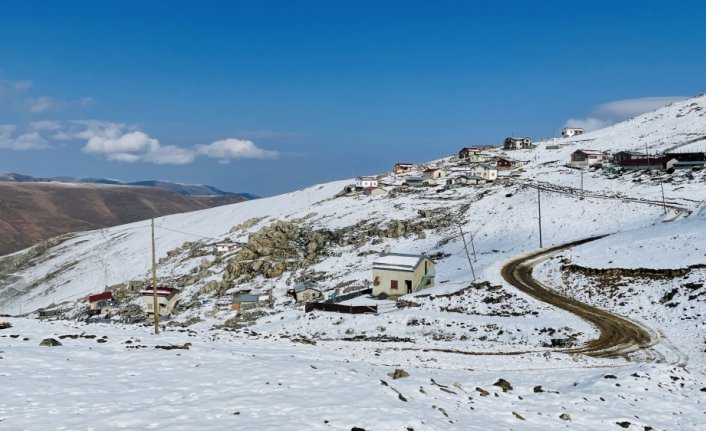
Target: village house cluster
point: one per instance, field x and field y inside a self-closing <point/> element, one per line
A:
<point x="394" y="274"/>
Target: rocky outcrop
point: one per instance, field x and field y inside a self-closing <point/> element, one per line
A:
<point x="288" y="246"/>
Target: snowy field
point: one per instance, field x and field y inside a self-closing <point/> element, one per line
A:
<point x="288" y="369"/>
<point x="226" y="381"/>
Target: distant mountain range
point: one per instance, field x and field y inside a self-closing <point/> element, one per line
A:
<point x="34" y="209"/>
<point x="182" y="189"/>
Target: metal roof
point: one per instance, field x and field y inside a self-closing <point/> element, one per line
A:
<point x="304" y="285"/>
<point x="398" y="261"/>
<point x="246" y="298"/>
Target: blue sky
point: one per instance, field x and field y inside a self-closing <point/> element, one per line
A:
<point x="271" y="96"/>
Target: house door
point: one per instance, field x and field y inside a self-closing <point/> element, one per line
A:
<point x="408" y="285"/>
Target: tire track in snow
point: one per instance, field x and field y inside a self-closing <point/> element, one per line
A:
<point x="618" y="336"/>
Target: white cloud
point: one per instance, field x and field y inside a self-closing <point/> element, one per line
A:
<point x="127" y="147"/>
<point x="42" y="104"/>
<point x="11" y="89"/>
<point x="22" y="85"/>
<point x="170" y="155"/>
<point x="228" y="149"/>
<point x="610" y="113"/>
<point x="122" y="143"/>
<point x="44" y="125"/>
<point x="26" y="141"/>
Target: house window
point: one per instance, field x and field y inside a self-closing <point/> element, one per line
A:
<point x="393" y="284"/>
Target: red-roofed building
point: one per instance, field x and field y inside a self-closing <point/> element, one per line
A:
<point x="100" y="302"/>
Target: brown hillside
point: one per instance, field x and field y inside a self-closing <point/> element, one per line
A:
<point x="32" y="212"/>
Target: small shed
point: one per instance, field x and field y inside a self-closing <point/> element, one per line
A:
<point x="419" y="181"/>
<point x="246" y="302"/>
<point x="306" y="291"/>
<point x="470" y="180"/>
<point x="397" y="274"/>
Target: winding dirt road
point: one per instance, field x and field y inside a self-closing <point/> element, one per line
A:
<point x="618" y="336"/>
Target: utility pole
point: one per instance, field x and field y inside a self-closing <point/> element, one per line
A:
<point x="473" y="247"/>
<point x="581" y="198"/>
<point x="465" y="247"/>
<point x="155" y="303"/>
<point x="664" y="202"/>
<point x="539" y="211"/>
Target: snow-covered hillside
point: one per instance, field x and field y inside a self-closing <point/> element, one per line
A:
<point x="323" y="370"/>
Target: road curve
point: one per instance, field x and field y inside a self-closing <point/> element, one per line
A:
<point x="618" y="336"/>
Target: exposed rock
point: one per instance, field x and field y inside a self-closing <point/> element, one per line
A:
<point x="483" y="392"/>
<point x="398" y="374"/>
<point x="623" y="424"/>
<point x="538" y="389"/>
<point x="503" y="384"/>
<point x="184" y="346"/>
<point x="50" y="342"/>
<point x="518" y="416"/>
<point x="5" y="325"/>
<point x="565" y="416"/>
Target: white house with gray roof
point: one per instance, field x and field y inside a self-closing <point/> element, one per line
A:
<point x="397" y="274"/>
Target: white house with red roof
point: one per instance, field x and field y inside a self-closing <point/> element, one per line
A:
<point x="433" y="173"/>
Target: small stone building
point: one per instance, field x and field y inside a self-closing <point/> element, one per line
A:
<point x="307" y="291"/>
<point x="397" y="274"/>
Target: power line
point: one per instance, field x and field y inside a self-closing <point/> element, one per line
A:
<point x="187" y="233"/>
